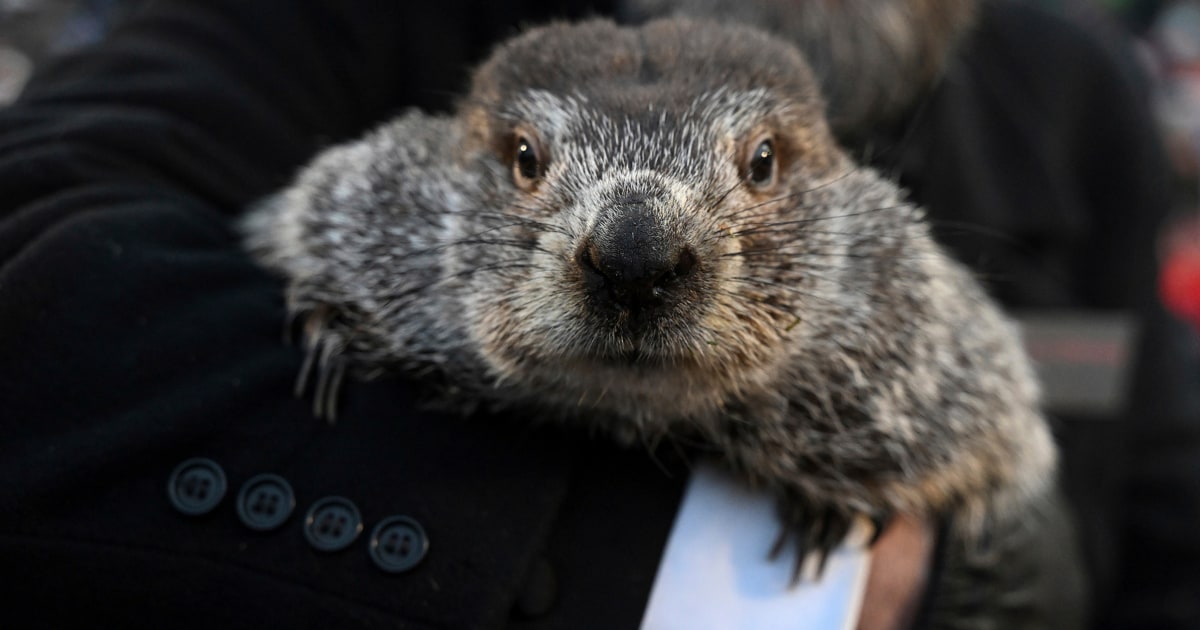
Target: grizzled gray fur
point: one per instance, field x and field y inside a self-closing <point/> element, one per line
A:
<point x="651" y="231"/>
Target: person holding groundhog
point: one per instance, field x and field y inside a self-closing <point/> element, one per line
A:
<point x="160" y="468"/>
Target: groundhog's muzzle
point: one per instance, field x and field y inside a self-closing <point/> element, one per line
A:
<point x="631" y="262"/>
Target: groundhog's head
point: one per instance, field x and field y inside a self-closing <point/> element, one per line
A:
<point x="659" y="179"/>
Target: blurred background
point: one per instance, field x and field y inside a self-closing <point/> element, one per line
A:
<point x="34" y="31"/>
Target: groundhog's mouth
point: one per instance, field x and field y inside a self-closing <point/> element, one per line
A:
<point x="633" y="358"/>
<point x="644" y="352"/>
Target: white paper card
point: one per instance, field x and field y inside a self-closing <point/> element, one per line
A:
<point x="716" y="572"/>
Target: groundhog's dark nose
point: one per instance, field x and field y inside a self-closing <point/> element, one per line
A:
<point x="632" y="261"/>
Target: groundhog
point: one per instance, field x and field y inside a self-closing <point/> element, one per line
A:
<point x="650" y="232"/>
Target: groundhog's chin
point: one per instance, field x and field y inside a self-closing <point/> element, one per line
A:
<point x="652" y="382"/>
<point x="639" y="390"/>
<point x="643" y="356"/>
<point x="672" y="363"/>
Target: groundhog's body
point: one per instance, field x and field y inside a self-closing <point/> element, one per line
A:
<point x="651" y="231"/>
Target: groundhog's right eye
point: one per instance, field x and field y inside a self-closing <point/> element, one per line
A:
<point x="760" y="170"/>
<point x="527" y="162"/>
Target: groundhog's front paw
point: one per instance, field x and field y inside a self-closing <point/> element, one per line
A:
<point x="816" y="529"/>
<point x="323" y="354"/>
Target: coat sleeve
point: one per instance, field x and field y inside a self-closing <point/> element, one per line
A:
<point x="136" y="334"/>
<point x="222" y="100"/>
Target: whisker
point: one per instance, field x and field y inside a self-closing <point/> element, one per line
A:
<point x="790" y="289"/>
<point x="517" y="243"/>
<point x="797" y="193"/>
<point x="716" y="202"/>
<point x="767" y="227"/>
<point x="503" y="265"/>
<point x="802" y="255"/>
<point x="758" y="301"/>
<point x="852" y="288"/>
<point x="467" y="239"/>
<point x="522" y="220"/>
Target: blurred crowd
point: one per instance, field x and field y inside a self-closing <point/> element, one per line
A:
<point x="1171" y="43"/>
<point x="32" y="31"/>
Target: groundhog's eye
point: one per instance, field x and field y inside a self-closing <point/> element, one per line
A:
<point x="527" y="162"/>
<point x="760" y="171"/>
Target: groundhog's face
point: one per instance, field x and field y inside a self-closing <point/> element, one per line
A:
<point x="654" y="186"/>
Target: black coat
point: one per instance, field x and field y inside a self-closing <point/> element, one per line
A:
<point x="137" y="334"/>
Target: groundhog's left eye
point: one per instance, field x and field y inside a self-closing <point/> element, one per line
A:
<point x="528" y="161"/>
<point x="760" y="169"/>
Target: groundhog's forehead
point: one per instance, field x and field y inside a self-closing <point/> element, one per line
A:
<point x="677" y="59"/>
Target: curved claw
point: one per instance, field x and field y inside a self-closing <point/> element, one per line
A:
<point x="306" y="368"/>
<point x="322" y="355"/>
<point x="331" y="370"/>
<point x="879" y="523"/>
<point x="816" y="531"/>
<point x="289" y="326"/>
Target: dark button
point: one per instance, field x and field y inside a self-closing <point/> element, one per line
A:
<point x="332" y="524"/>
<point x="540" y="591"/>
<point x="398" y="543"/>
<point x="196" y="486"/>
<point x="265" y="502"/>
